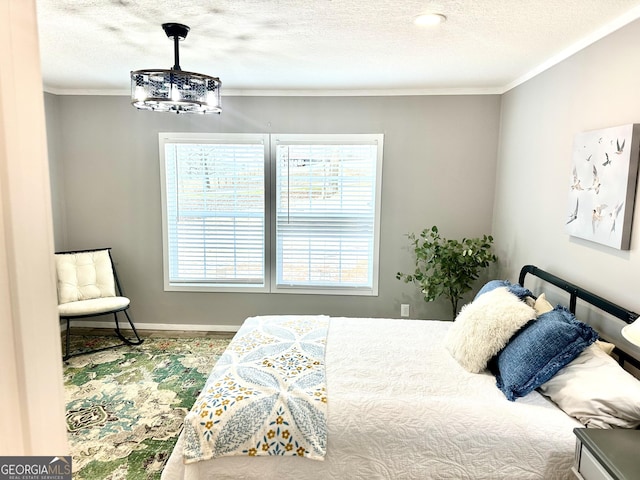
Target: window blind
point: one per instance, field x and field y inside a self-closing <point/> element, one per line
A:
<point x="326" y="218"/>
<point x="215" y="212"/>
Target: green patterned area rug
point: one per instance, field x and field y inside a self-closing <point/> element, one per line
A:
<point x="125" y="406"/>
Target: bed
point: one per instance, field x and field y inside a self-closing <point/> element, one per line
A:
<point x="400" y="405"/>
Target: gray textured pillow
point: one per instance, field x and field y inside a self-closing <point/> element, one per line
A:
<point x="484" y="327"/>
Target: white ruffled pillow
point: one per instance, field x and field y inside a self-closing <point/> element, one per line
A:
<point x="484" y="327"/>
<point x="594" y="389"/>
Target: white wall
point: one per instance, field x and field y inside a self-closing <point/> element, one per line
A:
<point x="596" y="88"/>
<point x="439" y="168"/>
<point x="31" y="392"/>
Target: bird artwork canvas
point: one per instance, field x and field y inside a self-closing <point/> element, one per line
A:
<point x="602" y="185"/>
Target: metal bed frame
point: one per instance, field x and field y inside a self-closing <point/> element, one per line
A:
<point x="576" y="292"/>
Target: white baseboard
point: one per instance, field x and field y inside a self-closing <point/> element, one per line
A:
<point x="152" y="326"/>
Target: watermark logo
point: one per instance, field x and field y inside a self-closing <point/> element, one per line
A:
<point x="35" y="468"/>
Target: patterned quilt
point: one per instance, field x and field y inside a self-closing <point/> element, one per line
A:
<point x="266" y="395"/>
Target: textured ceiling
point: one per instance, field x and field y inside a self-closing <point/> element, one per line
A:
<point x="262" y="46"/>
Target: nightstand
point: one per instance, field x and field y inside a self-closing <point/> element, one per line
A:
<point x="607" y="454"/>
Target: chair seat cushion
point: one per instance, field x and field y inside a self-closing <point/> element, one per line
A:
<point x="94" y="306"/>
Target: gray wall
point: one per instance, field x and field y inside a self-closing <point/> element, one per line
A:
<point x="439" y="168"/>
<point x="56" y="173"/>
<point x="596" y="88"/>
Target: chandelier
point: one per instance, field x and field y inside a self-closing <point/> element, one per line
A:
<point x="175" y="90"/>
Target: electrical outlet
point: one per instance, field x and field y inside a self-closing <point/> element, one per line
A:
<point x="404" y="310"/>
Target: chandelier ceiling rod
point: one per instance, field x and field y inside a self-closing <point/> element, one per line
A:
<point x="178" y="32"/>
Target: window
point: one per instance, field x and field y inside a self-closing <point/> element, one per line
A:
<point x="213" y="210"/>
<point x="279" y="213"/>
<point x="326" y="212"/>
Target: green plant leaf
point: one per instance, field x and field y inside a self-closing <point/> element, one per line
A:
<point x="447" y="267"/>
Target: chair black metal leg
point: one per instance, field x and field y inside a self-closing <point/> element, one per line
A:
<point x="133" y="327"/>
<point x="138" y="340"/>
<point x="125" y="340"/>
<point x="68" y="333"/>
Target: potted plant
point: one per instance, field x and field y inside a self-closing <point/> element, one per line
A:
<point x="447" y="267"/>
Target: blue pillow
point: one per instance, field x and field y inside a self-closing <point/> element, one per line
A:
<point x="515" y="288"/>
<point x="540" y="350"/>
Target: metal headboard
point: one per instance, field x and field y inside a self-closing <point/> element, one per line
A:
<point x="576" y="292"/>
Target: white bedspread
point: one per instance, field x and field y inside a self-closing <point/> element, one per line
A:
<point x="400" y="407"/>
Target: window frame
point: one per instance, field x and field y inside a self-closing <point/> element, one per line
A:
<point x="329" y="139"/>
<point x="213" y="138"/>
<point x="270" y="143"/>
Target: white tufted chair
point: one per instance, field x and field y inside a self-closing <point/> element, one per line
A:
<point x="88" y="286"/>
